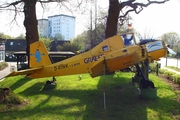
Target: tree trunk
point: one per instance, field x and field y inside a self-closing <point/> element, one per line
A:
<point x="112" y="19"/>
<point x="30" y="23"/>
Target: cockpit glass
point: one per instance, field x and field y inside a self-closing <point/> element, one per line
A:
<point x="127" y="39"/>
<point x="137" y="39"/>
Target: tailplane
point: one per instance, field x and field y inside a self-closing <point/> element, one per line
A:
<point x="39" y="56"/>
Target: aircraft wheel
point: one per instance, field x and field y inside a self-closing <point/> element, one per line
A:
<point x="48" y="82"/>
<point x="151" y="84"/>
<point x="146" y="84"/>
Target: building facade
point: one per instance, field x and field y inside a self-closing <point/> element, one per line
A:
<point x="2" y="49"/>
<point x="63" y="25"/>
<point x="43" y="25"/>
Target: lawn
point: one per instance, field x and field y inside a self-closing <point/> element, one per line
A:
<point x="75" y="99"/>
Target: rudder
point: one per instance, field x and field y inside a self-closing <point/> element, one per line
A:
<point x="39" y="56"/>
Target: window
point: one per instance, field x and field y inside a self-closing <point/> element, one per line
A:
<point x="1" y="55"/>
<point x="105" y="48"/>
<point x="11" y="43"/>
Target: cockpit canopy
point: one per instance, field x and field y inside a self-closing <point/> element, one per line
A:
<point x="130" y="39"/>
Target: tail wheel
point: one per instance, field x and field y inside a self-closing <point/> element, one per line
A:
<point x="48" y="82"/>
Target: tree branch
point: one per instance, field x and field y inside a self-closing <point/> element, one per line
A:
<point x="48" y="1"/>
<point x="134" y="7"/>
<point x="11" y="4"/>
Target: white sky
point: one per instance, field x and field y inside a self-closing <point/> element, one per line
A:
<point x="157" y="18"/>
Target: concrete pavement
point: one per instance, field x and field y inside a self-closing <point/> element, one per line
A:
<point x="170" y="62"/>
<point x="7" y="70"/>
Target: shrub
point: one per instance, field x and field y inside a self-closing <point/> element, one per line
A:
<point x="176" y="78"/>
<point x="3" y="65"/>
<point x="170" y="75"/>
<point x="153" y="66"/>
<point x="162" y="71"/>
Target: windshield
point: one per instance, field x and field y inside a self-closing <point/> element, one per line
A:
<point x="128" y="39"/>
<point x="137" y="39"/>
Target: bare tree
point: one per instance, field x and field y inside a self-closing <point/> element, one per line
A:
<point x="30" y="20"/>
<point x="146" y="34"/>
<point x="119" y="10"/>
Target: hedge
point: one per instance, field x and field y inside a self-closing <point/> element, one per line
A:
<point x="165" y="73"/>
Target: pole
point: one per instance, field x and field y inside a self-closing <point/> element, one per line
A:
<point x="177" y="62"/>
<point x="166" y="57"/>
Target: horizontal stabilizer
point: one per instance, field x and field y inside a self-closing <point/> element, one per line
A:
<point x="23" y="72"/>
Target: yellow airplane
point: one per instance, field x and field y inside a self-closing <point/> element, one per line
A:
<point x="115" y="53"/>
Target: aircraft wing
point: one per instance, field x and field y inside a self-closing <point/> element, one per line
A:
<point x="98" y="68"/>
<point x="23" y="72"/>
<point x="117" y="60"/>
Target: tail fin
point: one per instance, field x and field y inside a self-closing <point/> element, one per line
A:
<point x="39" y="56"/>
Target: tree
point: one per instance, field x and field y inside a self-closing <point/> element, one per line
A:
<point x="3" y="36"/>
<point x="30" y="20"/>
<point x="59" y="36"/>
<point x="119" y="10"/>
<point x="46" y="41"/>
<point x="146" y="34"/>
<point x="172" y="39"/>
<point x="90" y="38"/>
<point x="81" y="40"/>
<point x="73" y="47"/>
<point x="96" y="35"/>
<point x="21" y="36"/>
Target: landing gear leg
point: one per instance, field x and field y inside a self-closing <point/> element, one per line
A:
<point x="142" y="76"/>
<point x="146" y="87"/>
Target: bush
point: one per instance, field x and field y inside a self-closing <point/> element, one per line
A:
<point x="153" y="67"/>
<point x="3" y="65"/>
<point x="170" y="75"/>
<point x="162" y="71"/>
<point x="176" y="78"/>
<point x="167" y="74"/>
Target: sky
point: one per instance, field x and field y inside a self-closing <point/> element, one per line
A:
<point x="156" y="18"/>
<point x="159" y="18"/>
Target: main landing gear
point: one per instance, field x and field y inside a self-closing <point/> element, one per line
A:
<point x="50" y="84"/>
<point x="146" y="87"/>
<point x="142" y="78"/>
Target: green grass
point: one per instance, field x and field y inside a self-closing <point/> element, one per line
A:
<point x="75" y="99"/>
